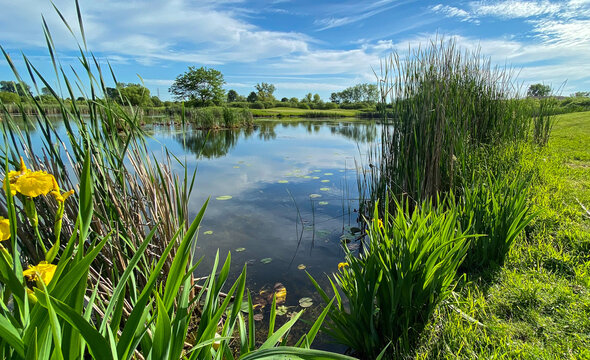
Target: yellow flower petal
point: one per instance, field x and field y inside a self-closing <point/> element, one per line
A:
<point x="4" y="229"/>
<point x="12" y="177"/>
<point x="342" y="264"/>
<point x="34" y="183"/>
<point x="43" y="269"/>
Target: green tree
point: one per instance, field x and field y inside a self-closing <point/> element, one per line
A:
<point x="294" y="100"/>
<point x="265" y="91"/>
<point x="581" y="94"/>
<point x="202" y="85"/>
<point x="134" y="94"/>
<point x="14" y="87"/>
<point x="252" y="97"/>
<point x="307" y="98"/>
<point x="538" y="90"/>
<point x="232" y="96"/>
<point x="9" y="97"/>
<point x="156" y="101"/>
<point x="359" y="93"/>
<point x="284" y="99"/>
<point x="317" y="99"/>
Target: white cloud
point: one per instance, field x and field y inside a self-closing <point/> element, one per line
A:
<point x="516" y="9"/>
<point x="451" y="11"/>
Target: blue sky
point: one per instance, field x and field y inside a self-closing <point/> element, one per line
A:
<point x="301" y="46"/>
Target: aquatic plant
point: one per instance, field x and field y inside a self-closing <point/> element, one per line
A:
<point x="406" y="268"/>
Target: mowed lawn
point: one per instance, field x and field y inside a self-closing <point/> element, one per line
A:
<point x="537" y="305"/>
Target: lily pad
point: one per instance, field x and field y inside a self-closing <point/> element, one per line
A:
<point x="301" y="266"/>
<point x="325" y="181"/>
<point x="307" y="177"/>
<point x="240" y="249"/>
<point x="251" y="262"/>
<point x="266" y="260"/>
<point x="208" y="232"/>
<point x="317" y="171"/>
<point x="353" y="246"/>
<point x="328" y="174"/>
<point x="324" y="189"/>
<point x="223" y="197"/>
<point x="315" y="177"/>
<point x="355" y="230"/>
<point x="323" y="203"/>
<point x="305" y="302"/>
<point x="244" y="307"/>
<point x="236" y="167"/>
<point x="282" y="310"/>
<point x="283" y="181"/>
<point x="347" y="238"/>
<point x="313" y="196"/>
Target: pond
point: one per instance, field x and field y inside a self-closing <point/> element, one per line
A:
<point x="283" y="198"/>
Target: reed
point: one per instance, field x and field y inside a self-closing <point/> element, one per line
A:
<point x="441" y="103"/>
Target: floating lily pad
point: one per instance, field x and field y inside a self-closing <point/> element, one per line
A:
<point x="313" y="196"/>
<point x="258" y="317"/>
<point x="341" y="170"/>
<point x="266" y="260"/>
<point x="355" y="230"/>
<point x="208" y="232"/>
<point x="315" y="177"/>
<point x="307" y="177"/>
<point x="305" y="302"/>
<point x="328" y="174"/>
<point x="353" y="246"/>
<point x="223" y="197"/>
<point x="282" y="310"/>
<point x="240" y="249"/>
<point x="325" y="181"/>
<point x="317" y="171"/>
<point x="324" y="189"/>
<point x="236" y="167"/>
<point x="347" y="238"/>
<point x="283" y="181"/>
<point x="301" y="266"/>
<point x="322" y="233"/>
<point x="250" y="261"/>
<point x="323" y="203"/>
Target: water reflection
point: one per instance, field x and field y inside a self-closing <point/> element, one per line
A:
<point x="217" y="143"/>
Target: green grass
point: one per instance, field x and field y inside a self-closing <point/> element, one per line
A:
<point x="537" y="306"/>
<point x="294" y="112"/>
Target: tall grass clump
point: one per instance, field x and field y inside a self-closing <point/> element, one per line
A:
<point x="441" y="104"/>
<point x="498" y="209"/>
<point x="406" y="268"/>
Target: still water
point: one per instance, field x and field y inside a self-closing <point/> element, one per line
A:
<point x="293" y="189"/>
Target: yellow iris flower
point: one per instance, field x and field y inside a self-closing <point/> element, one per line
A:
<point x="342" y="264"/>
<point x="30" y="183"/>
<point x="4" y="229"/>
<point x="43" y="270"/>
<point x="61" y="197"/>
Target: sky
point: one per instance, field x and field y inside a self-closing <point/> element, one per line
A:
<point x="299" y="46"/>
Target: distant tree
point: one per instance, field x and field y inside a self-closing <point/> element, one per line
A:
<point x="307" y="98"/>
<point x="45" y="91"/>
<point x="9" y="97"/>
<point x="581" y="94"/>
<point x="538" y="90"/>
<point x="284" y="99"/>
<point x="232" y="96"/>
<point x="202" y="85"/>
<point x="335" y="98"/>
<point x="134" y="94"/>
<point x="317" y="99"/>
<point x="252" y="97"/>
<point x="265" y="91"/>
<point x="14" y="87"/>
<point x="358" y="93"/>
<point x="156" y="101"/>
<point x="294" y="100"/>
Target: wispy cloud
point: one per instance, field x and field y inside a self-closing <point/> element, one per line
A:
<point x="451" y="11"/>
<point x="361" y="10"/>
<point x="512" y="9"/>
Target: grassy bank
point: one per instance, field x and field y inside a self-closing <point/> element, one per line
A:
<point x="537" y="306"/>
<point x="303" y="113"/>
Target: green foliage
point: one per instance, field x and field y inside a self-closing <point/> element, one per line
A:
<point x="232" y="96"/>
<point x="406" y="269"/>
<point x="16" y="87"/>
<point x="264" y="92"/>
<point x="202" y="86"/>
<point x="538" y="90"/>
<point x="368" y="93"/>
<point x="497" y="209"/>
<point x="9" y="97"/>
<point x="130" y="94"/>
<point x="252" y="97"/>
